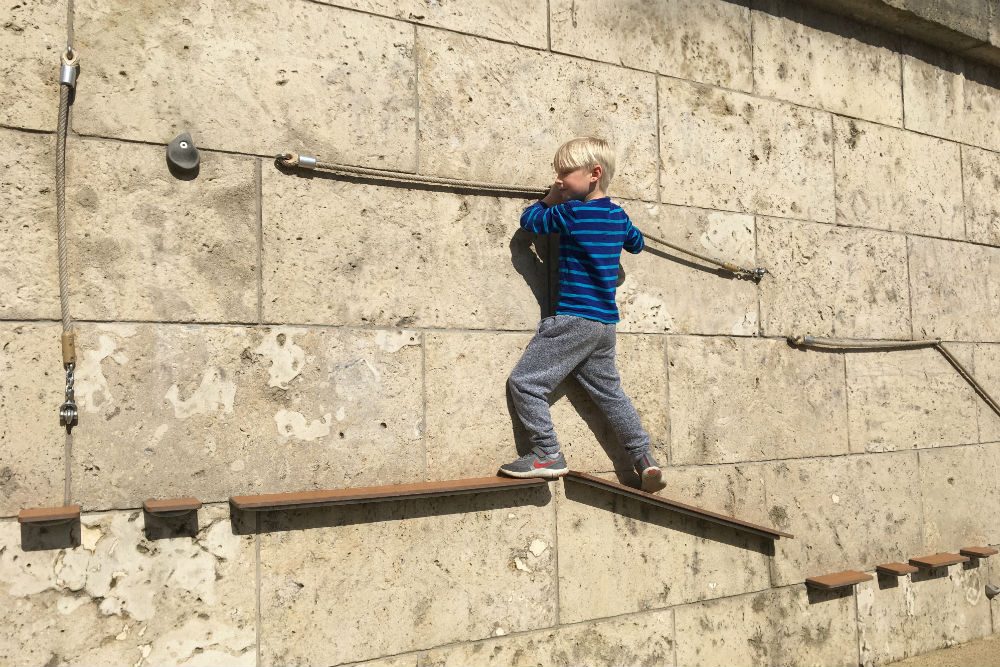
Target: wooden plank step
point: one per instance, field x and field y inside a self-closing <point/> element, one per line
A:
<point x="938" y="560"/>
<point x="978" y="552"/>
<point x="368" y="494"/>
<point x="673" y="505"/>
<point x="171" y="506"/>
<point x="49" y="515"/>
<point x="829" y="582"/>
<point x="897" y="569"/>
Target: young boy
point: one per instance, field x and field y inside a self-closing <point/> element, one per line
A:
<point x="580" y="338"/>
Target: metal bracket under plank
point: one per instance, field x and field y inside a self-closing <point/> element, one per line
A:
<point x="369" y="494"/>
<point x="675" y="506"/>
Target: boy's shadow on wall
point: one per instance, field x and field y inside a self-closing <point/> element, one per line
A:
<point x="536" y="258"/>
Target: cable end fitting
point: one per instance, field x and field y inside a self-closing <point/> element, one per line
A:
<point x="296" y="160"/>
<point x="69" y="68"/>
<point x="796" y="340"/>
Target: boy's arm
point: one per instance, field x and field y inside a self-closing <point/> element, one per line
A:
<point x="548" y="216"/>
<point x="634" y="240"/>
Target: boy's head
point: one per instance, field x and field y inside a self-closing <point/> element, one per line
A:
<point x="584" y="164"/>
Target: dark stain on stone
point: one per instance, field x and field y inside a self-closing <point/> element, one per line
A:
<point x="855" y="134"/>
<point x="779" y="516"/>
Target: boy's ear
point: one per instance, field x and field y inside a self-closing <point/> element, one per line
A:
<point x="596" y="173"/>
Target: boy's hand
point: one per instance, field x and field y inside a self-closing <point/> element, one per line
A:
<point x="554" y="197"/>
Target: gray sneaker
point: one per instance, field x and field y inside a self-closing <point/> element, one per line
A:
<point x="535" y="464"/>
<point x="650" y="475"/>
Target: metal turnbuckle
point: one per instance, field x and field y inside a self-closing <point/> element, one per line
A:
<point x="68" y="414"/>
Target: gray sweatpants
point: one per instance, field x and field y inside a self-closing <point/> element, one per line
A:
<point x="567" y="345"/>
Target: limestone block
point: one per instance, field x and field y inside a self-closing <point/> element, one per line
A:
<point x="31" y="441"/>
<point x="898" y="180"/>
<point x="737" y="400"/>
<point x="908" y="399"/>
<point x="497" y="113"/>
<point x="773" y="627"/>
<point x="954" y="290"/>
<point x="960" y="499"/>
<point x="618" y="555"/>
<point x="343" y="87"/>
<point x="219" y="411"/>
<point x="32" y="40"/>
<point x="122" y="599"/>
<point x="474" y="567"/>
<point x="642" y="365"/>
<point x="832" y="281"/>
<point x="733" y="490"/>
<point x="519" y="21"/>
<point x="641" y="639"/>
<point x="986" y="369"/>
<point x="911" y="615"/>
<point x="341" y="253"/>
<point x="29" y="269"/>
<point x="982" y="194"/>
<point x="827" y="62"/>
<point x="472" y="427"/>
<point x="667" y="291"/>
<point x="148" y="246"/>
<point x="699" y="40"/>
<point x="850" y="512"/>
<point x="725" y="150"/>
<point x="949" y="98"/>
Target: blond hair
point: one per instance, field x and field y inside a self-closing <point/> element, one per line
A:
<point x="586" y="152"/>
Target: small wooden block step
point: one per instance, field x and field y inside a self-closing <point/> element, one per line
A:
<point x="829" y="582"/>
<point x="49" y="515"/>
<point x="978" y="552"/>
<point x="938" y="560"/>
<point x="667" y="503"/>
<point x="896" y="569"/>
<point x="454" y="487"/>
<point x="171" y="506"/>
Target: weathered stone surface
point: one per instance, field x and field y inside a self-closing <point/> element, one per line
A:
<point x="954" y="291"/>
<point x="218" y="411"/>
<point x="29" y="274"/>
<point x="775" y="627"/>
<point x="474" y="567"/>
<point x="898" y="180"/>
<point x="733" y="490"/>
<point x="700" y="40"/>
<point x="341" y="253"/>
<point x="342" y="86"/>
<point x="850" y="512"/>
<point x="619" y="555"/>
<point x="642" y="365"/>
<point x="909" y="399"/>
<point x="915" y="614"/>
<point x="471" y="425"/>
<point x="31" y="441"/>
<point x="960" y="499"/>
<point x="496" y="113"/>
<point x="149" y="246"/>
<point x="518" y="21"/>
<point x="122" y="599"/>
<point x="986" y="369"/>
<point x="643" y="639"/>
<point x="666" y="291"/>
<point x="832" y="281"/>
<point x="827" y="62"/>
<point x="982" y="194"/>
<point x="744" y="400"/>
<point x="32" y="39"/>
<point x="948" y="98"/>
<point x="725" y="150"/>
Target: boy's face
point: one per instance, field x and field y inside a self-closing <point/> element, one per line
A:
<point x="578" y="183"/>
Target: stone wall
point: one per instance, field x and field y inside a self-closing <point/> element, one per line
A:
<point x="252" y="330"/>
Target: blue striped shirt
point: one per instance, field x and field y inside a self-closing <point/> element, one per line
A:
<point x="591" y="237"/>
